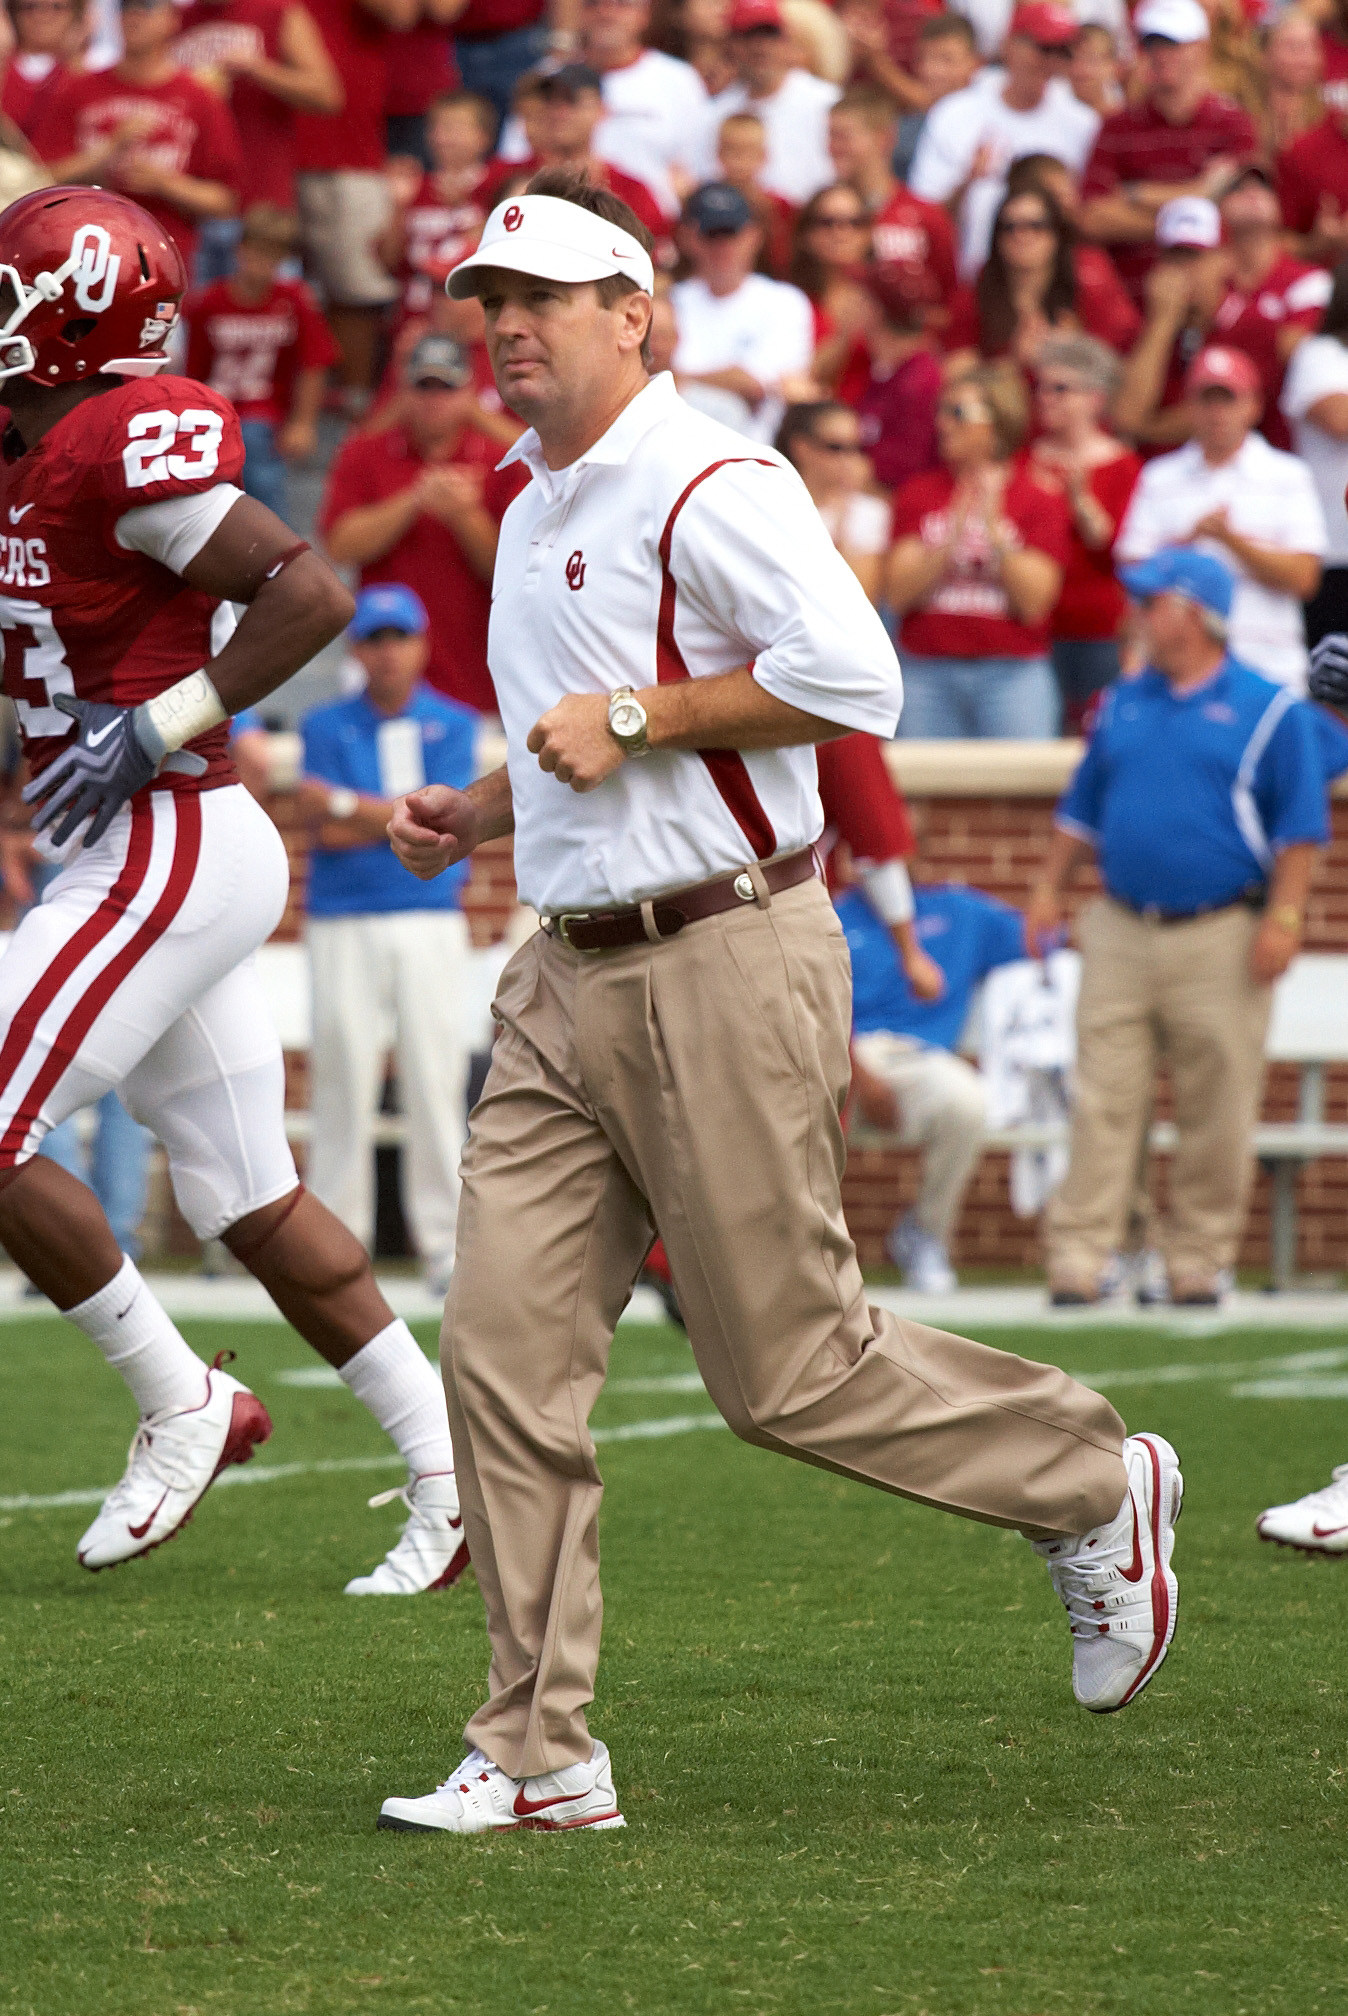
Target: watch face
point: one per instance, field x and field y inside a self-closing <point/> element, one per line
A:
<point x="628" y="719"/>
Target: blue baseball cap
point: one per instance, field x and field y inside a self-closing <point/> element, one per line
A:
<point x="390" y="606"/>
<point x="1183" y="570"/>
<point x="718" y="210"/>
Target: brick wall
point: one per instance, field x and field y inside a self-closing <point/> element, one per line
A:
<point x="971" y="831"/>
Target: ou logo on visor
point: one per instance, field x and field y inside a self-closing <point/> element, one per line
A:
<point x="513" y="218"/>
<point x="94" y="264"/>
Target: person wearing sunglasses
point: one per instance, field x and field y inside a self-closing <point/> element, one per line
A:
<point x="1031" y="288"/>
<point x="822" y="439"/>
<point x="830" y="248"/>
<point x="981" y="547"/>
<point x="1076" y="379"/>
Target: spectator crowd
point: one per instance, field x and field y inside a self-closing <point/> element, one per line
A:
<point x="1036" y="297"/>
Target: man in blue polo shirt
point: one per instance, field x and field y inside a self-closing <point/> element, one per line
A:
<point x="1202" y="797"/>
<point x="385" y="947"/>
<point x="905" y="1073"/>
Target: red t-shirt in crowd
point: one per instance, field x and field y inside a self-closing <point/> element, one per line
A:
<point x="862" y="805"/>
<point x="1314" y="166"/>
<point x="1292" y="295"/>
<point x="372" y="467"/>
<point x="967" y="614"/>
<point x="1138" y="145"/>
<point x="212" y="31"/>
<point x="910" y="232"/>
<point x="1334" y="90"/>
<point x="484" y="20"/>
<point x="354" y="138"/>
<point x="898" y="418"/>
<point x="1104" y="308"/>
<point x="1092" y="601"/>
<point x="438" y="233"/>
<point x="193" y="134"/>
<point x="420" y="67"/>
<point x="250" y="351"/>
<point x="25" y="99"/>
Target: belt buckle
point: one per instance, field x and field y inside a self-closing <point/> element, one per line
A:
<point x="561" y="923"/>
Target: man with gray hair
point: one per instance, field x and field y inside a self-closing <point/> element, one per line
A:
<point x="1202" y="797"/>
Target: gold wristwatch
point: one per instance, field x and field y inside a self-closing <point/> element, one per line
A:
<point x="627" y="722"/>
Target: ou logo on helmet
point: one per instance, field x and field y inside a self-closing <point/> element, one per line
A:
<point x="94" y="264"/>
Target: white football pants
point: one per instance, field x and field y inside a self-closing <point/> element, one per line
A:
<point x="136" y="971"/>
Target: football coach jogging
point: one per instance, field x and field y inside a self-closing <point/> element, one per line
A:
<point x="672" y="631"/>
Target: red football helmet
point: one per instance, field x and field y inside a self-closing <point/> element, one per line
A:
<point x="88" y="282"/>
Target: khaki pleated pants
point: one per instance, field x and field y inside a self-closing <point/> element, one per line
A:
<point x="696" y="1085"/>
<point x="1183" y="992"/>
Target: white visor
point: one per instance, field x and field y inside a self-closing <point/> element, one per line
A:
<point x="554" y="240"/>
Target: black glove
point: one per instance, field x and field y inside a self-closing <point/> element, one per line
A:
<point x="92" y="779"/>
<point x="1329" y="670"/>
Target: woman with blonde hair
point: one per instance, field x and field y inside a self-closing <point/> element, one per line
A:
<point x="981" y="546"/>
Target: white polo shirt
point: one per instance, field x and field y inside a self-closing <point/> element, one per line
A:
<point x="1267" y="495"/>
<point x="672" y="549"/>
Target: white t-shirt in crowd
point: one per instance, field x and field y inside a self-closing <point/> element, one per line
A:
<point x="1319" y="366"/>
<point x="672" y="547"/>
<point x="766" y="328"/>
<point x="1267" y="495"/>
<point x="859" y="522"/>
<point x="656" y="116"/>
<point x="795" y="127"/>
<point x="958" y="126"/>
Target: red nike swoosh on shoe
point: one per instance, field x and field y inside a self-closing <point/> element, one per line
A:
<point x="1327" y="1532"/>
<point x="139" y="1532"/>
<point x="1133" y="1572"/>
<point x="523" y="1807"/>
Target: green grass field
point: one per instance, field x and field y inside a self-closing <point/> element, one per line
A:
<point x="842" y="1730"/>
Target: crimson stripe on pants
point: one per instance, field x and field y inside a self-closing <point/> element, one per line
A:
<point x="727" y="767"/>
<point x="95" y="998"/>
<point x="113" y="907"/>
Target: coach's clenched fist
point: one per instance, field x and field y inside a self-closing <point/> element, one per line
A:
<point x="432" y="829"/>
<point x="573" y="741"/>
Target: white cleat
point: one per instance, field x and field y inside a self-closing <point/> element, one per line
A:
<point x="1117" y="1584"/>
<point x="432" y="1552"/>
<point x="174" y="1460"/>
<point x="1317" y="1523"/>
<point x="481" y="1799"/>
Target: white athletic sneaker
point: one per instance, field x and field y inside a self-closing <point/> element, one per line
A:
<point x="432" y="1552"/>
<point x="1317" y="1523"/>
<point x="924" y="1260"/>
<point x="1117" y="1584"/>
<point x="479" y="1798"/>
<point x="174" y="1460"/>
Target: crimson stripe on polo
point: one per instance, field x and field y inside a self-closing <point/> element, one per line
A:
<point x="727" y="767"/>
<point x="77" y="948"/>
<point x="186" y="851"/>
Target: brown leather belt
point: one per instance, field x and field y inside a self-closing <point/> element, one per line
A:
<point x="607" y="930"/>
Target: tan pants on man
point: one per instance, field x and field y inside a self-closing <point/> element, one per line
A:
<point x="1185" y="993"/>
<point x="696" y="1084"/>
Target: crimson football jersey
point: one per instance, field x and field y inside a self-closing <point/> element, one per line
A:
<point x="78" y="613"/>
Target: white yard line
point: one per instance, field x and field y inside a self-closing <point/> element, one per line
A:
<point x="1292" y="1375"/>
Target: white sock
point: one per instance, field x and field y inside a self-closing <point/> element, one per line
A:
<point x="392" y="1376"/>
<point x="138" y="1340"/>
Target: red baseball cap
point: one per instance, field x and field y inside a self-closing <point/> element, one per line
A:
<point x="1231" y="370"/>
<point x="1045" y="22"/>
<point x="746" y="15"/>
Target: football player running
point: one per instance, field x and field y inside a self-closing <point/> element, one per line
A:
<point x="123" y="541"/>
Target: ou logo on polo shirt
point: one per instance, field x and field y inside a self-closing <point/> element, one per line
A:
<point x="575" y="571"/>
<point x="513" y="218"/>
